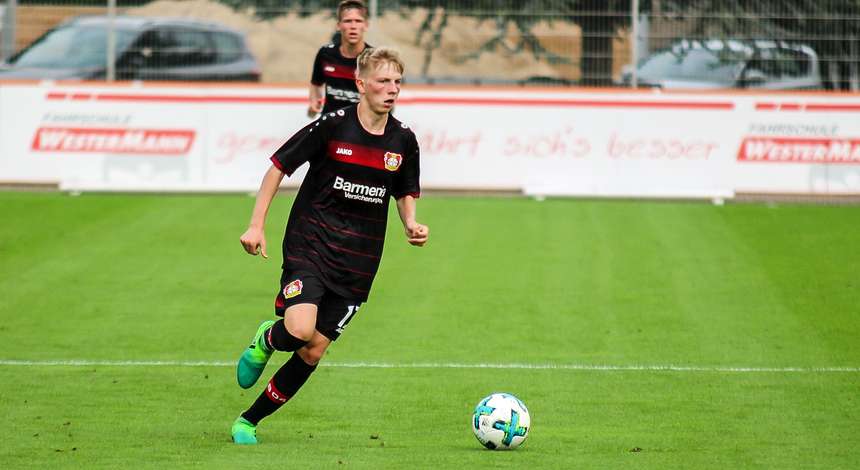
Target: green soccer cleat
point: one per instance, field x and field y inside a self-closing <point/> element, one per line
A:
<point x="254" y="359"/>
<point x="243" y="431"/>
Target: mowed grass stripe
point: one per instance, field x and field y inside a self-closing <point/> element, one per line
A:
<point x="385" y="365"/>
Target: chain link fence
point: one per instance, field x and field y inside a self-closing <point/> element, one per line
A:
<point x="769" y="44"/>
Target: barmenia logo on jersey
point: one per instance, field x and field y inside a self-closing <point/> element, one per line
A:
<point x="392" y="161"/>
<point x="360" y="192"/>
<point x="293" y="289"/>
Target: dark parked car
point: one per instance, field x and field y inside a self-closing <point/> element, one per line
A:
<point x="146" y="49"/>
<point x="729" y="63"/>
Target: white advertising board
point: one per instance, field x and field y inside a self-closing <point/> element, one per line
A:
<point x="631" y="144"/>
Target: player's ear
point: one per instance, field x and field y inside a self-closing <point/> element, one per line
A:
<point x="359" y="83"/>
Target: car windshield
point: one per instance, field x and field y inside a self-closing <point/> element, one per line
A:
<point x="695" y="64"/>
<point x="73" y="47"/>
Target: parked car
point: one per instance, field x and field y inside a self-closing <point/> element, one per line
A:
<point x="146" y="49"/>
<point x="728" y="63"/>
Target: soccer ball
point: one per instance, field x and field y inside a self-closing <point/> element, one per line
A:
<point x="501" y="421"/>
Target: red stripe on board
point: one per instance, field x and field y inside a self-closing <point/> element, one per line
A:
<point x="356" y="154"/>
<point x="851" y="108"/>
<point x="161" y="98"/>
<point x="134" y="98"/>
<point x="721" y="105"/>
<point x="813" y="107"/>
<point x="766" y="107"/>
<point x="201" y="99"/>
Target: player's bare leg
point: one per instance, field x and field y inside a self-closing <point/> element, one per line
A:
<point x="313" y="352"/>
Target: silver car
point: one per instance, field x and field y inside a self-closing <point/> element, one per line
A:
<point x="728" y="63"/>
<point x="146" y="49"/>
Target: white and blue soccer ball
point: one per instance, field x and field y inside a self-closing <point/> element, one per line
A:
<point x="501" y="421"/>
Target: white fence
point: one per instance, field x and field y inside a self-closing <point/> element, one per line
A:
<point x="579" y="142"/>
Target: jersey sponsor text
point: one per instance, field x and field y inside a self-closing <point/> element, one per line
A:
<point x="361" y="192"/>
<point x="343" y="95"/>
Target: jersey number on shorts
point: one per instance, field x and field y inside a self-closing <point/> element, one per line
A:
<point x="351" y="310"/>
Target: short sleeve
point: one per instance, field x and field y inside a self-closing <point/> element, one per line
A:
<point x="305" y="145"/>
<point x="406" y="183"/>
<point x="317" y="74"/>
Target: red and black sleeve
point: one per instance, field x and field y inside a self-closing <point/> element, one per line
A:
<point x="406" y="183"/>
<point x="306" y="145"/>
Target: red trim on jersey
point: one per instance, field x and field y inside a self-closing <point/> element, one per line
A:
<point x="340" y="267"/>
<point x="355" y="154"/>
<point x="338" y="247"/>
<point x="279" y="166"/>
<point x="339" y="72"/>
<point x="274" y="394"/>
<point x="347" y="232"/>
<point x="351" y="215"/>
<point x="414" y="195"/>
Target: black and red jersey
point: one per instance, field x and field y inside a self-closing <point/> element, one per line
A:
<point x="337" y="73"/>
<point x="337" y="223"/>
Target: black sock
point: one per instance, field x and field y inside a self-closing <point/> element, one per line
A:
<point x="279" y="339"/>
<point x="283" y="385"/>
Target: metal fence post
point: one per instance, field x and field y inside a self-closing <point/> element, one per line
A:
<point x="374" y="10"/>
<point x="110" y="71"/>
<point x="634" y="56"/>
<point x="9" y="19"/>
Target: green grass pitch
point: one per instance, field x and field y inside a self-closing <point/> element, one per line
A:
<point x="755" y="306"/>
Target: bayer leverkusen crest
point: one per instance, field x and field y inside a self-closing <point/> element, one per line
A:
<point x="392" y="161"/>
<point x="293" y="289"/>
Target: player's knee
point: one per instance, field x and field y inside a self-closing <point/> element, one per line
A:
<point x="282" y="338"/>
<point x="312" y="354"/>
<point x="302" y="332"/>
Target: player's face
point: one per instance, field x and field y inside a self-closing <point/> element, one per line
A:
<point x="381" y="87"/>
<point x="352" y="26"/>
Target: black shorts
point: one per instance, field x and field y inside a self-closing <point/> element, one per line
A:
<point x="333" y="311"/>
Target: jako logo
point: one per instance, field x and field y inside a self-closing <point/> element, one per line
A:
<point x="343" y="151"/>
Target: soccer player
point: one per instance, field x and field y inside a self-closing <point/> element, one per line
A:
<point x="333" y="76"/>
<point x="359" y="157"/>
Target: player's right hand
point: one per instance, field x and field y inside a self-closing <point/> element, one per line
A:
<point x="254" y="241"/>
<point x="314" y="108"/>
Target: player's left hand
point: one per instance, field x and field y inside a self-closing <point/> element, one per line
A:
<point x="417" y="234"/>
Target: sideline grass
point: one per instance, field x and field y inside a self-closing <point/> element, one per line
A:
<point x="119" y="277"/>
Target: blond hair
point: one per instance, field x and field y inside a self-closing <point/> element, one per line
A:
<point x="371" y="58"/>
